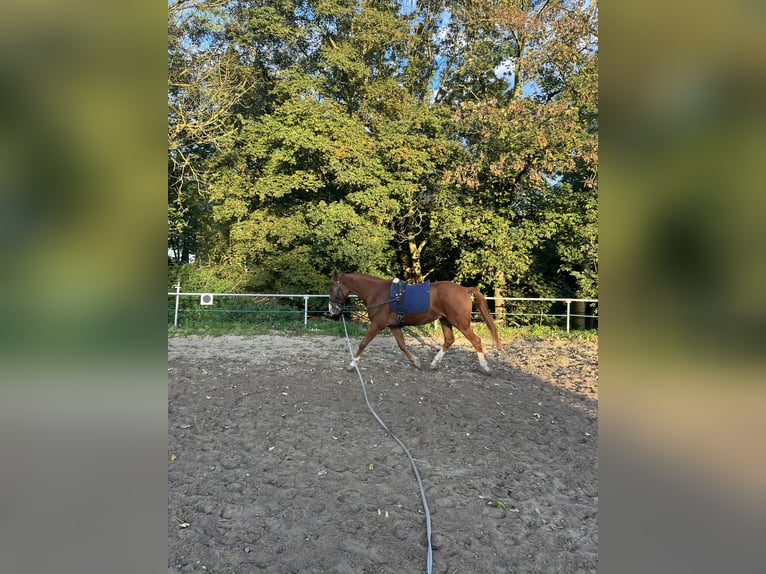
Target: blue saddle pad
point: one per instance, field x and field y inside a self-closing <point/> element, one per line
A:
<point x="407" y="298"/>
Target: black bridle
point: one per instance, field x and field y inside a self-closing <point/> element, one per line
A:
<point x="337" y="296"/>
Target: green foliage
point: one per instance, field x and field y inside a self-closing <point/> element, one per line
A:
<point x="196" y="278"/>
<point x="347" y="240"/>
<point x="443" y="140"/>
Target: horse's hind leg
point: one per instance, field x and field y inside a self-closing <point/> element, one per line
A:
<point x="449" y="338"/>
<point x="400" y="341"/>
<point x="476" y="342"/>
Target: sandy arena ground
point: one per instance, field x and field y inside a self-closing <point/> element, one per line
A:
<point x="276" y="464"/>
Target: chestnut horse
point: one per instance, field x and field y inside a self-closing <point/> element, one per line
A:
<point x="450" y="304"/>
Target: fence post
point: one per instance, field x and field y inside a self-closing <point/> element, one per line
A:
<point x="569" y="303"/>
<point x="305" y="310"/>
<point x="178" y="290"/>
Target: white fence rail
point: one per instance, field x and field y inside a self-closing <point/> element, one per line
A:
<point x="567" y="301"/>
<point x="305" y="296"/>
<point x="503" y="313"/>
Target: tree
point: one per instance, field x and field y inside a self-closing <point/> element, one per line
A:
<point x="303" y="184"/>
<point x="204" y="86"/>
<point x="523" y="140"/>
<point x="445" y="139"/>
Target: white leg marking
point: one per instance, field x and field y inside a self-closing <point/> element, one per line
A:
<point x="352" y="365"/>
<point x="483" y="363"/>
<point x="437" y="359"/>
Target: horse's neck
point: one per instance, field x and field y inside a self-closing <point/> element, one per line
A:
<point x="366" y="286"/>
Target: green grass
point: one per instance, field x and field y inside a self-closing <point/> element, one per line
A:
<point x="510" y="333"/>
<point x="292" y="324"/>
<point x="541" y="331"/>
<point x="284" y="326"/>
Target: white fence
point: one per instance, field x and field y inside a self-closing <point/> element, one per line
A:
<point x="207" y="300"/>
<point x="568" y="301"/>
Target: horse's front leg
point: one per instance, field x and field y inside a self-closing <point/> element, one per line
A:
<point x="369" y="336"/>
<point x="399" y="336"/>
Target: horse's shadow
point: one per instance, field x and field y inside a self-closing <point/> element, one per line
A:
<point x="384" y="351"/>
<point x="434" y="343"/>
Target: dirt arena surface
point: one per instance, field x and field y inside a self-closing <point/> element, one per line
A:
<point x="276" y="464"/>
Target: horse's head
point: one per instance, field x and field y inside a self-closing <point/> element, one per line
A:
<point x="338" y="294"/>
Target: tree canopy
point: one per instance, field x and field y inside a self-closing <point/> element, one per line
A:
<point x="441" y="139"/>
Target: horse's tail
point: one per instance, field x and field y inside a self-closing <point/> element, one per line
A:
<point x="486" y="316"/>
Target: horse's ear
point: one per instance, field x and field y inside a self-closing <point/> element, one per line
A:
<point x="334" y="276"/>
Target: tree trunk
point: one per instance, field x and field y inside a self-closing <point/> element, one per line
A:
<point x="578" y="308"/>
<point x="499" y="305"/>
<point x="414" y="272"/>
<point x="499" y="293"/>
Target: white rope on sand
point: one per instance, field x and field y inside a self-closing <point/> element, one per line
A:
<point x="406" y="451"/>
